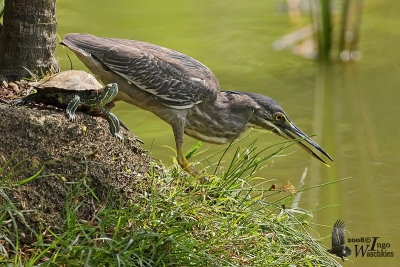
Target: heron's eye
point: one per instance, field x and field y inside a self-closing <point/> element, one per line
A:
<point x="279" y="116"/>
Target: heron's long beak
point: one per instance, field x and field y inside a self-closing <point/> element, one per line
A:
<point x="292" y="132"/>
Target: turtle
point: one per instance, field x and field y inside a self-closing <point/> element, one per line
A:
<point x="75" y="88"/>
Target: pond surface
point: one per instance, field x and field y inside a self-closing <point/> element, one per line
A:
<point x="352" y="108"/>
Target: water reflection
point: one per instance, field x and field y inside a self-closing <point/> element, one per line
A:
<point x="344" y="115"/>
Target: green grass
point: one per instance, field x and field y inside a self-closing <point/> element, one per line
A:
<point x="176" y="222"/>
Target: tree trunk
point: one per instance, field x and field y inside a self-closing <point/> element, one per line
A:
<point x="28" y="39"/>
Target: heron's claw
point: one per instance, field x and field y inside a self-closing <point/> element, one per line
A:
<point x="188" y="167"/>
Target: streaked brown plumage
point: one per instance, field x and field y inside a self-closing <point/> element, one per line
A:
<point x="181" y="91"/>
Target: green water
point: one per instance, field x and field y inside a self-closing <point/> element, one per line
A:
<point x="352" y="108"/>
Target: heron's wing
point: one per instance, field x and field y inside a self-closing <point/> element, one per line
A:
<point x="173" y="78"/>
<point x="338" y="238"/>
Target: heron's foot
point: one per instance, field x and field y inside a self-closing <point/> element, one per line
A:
<point x="188" y="167"/>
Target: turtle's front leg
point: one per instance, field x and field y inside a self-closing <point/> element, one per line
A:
<point x="72" y="106"/>
<point x="113" y="122"/>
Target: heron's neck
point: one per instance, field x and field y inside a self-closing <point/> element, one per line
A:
<point x="218" y="122"/>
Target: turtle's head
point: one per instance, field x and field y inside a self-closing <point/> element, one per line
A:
<point x="108" y="93"/>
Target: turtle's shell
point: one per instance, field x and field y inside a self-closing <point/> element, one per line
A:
<point x="70" y="80"/>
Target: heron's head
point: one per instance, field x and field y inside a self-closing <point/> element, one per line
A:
<point x="269" y="115"/>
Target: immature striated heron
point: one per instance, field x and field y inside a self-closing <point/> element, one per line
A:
<point x="183" y="92"/>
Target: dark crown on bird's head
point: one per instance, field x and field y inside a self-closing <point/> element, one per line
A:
<point x="267" y="107"/>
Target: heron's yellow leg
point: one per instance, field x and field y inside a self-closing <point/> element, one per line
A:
<point x="188" y="167"/>
<point x="183" y="162"/>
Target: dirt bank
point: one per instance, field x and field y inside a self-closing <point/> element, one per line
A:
<point x="83" y="151"/>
